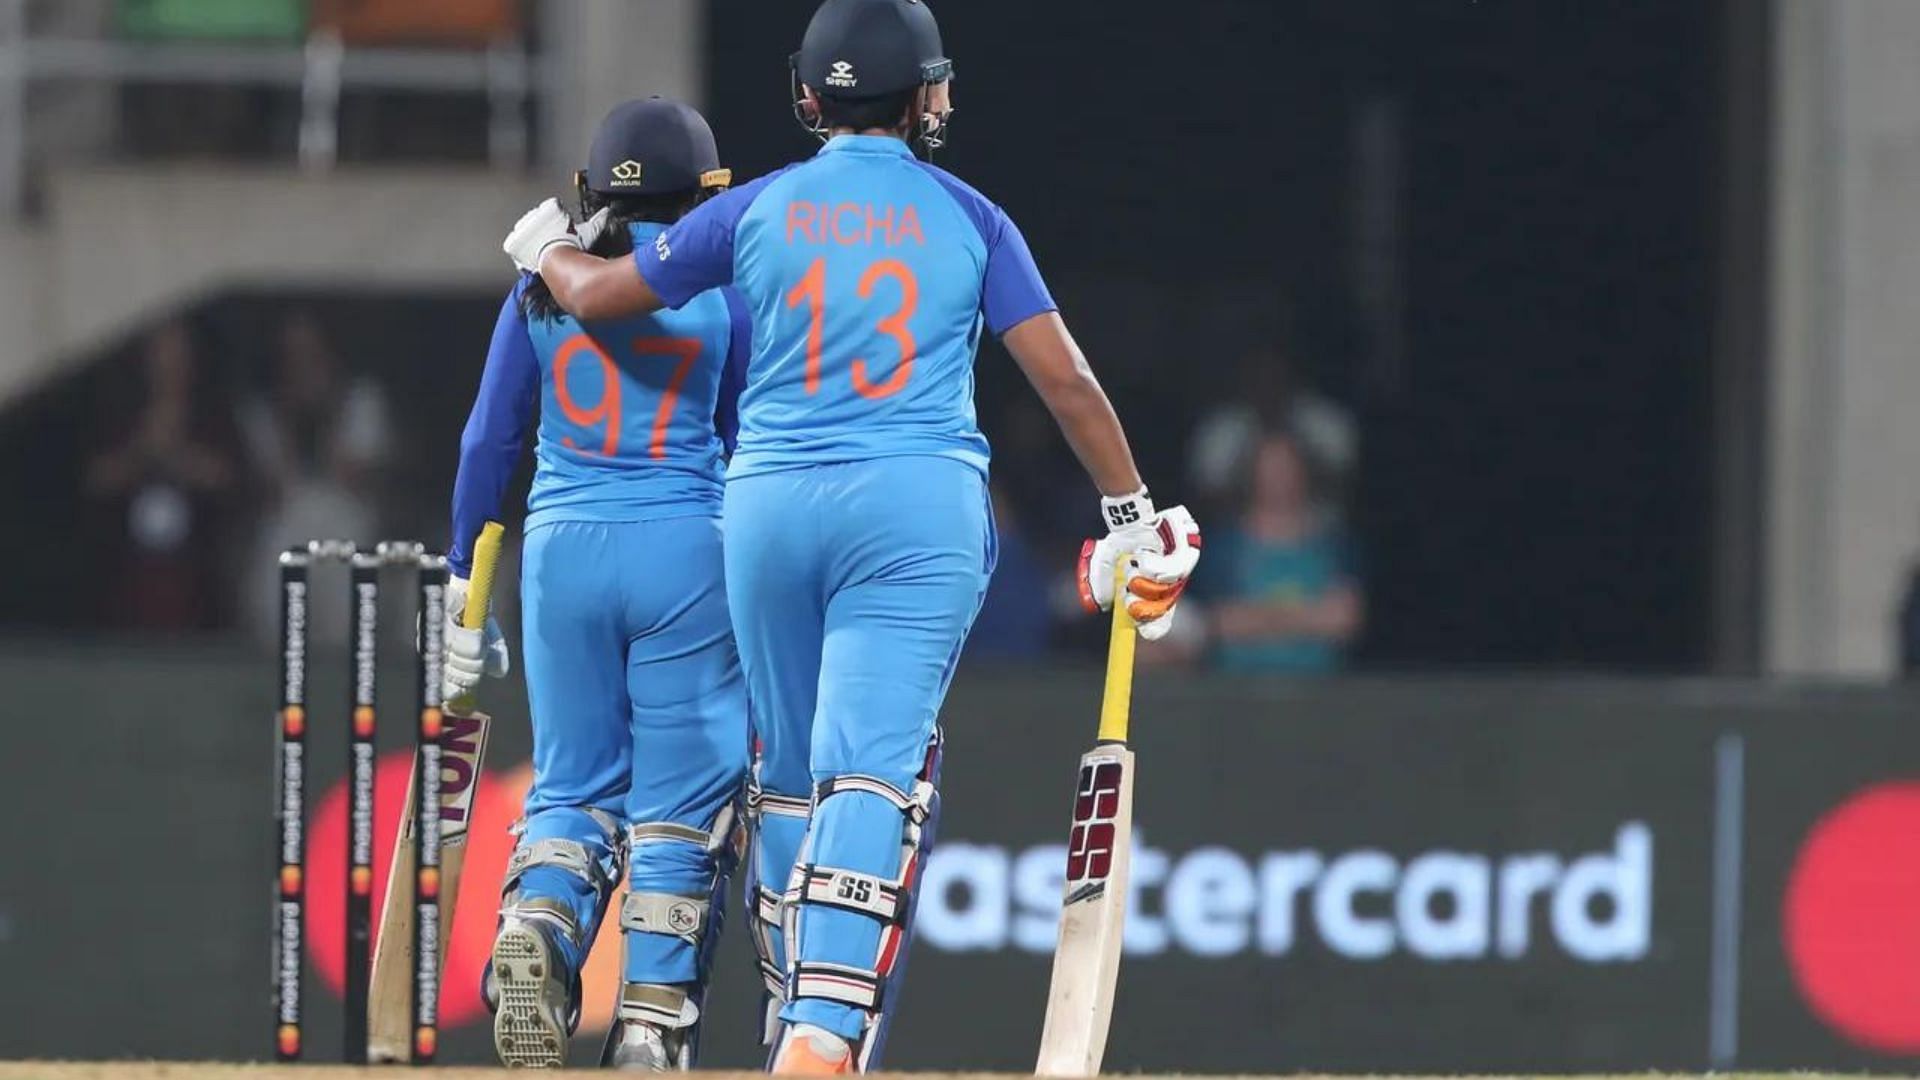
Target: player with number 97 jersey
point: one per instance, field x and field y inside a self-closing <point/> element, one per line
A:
<point x="638" y="701"/>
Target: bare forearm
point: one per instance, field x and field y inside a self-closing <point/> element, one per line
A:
<point x="589" y="287"/>
<point x="1088" y="421"/>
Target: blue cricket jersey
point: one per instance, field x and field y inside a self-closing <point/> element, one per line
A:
<point x="869" y="275"/>
<point x="635" y="415"/>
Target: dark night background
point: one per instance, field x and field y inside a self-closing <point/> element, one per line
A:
<point x="1534" y="471"/>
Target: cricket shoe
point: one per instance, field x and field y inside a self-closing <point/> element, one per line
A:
<point x="810" y="1051"/>
<point x="532" y="995"/>
<point x="637" y="1046"/>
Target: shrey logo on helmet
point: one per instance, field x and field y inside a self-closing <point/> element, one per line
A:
<point x="870" y="49"/>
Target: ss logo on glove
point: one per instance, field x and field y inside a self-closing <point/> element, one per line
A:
<point x="1120" y="514"/>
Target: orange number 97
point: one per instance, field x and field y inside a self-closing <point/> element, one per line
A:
<point x="607" y="411"/>
<point x="812" y="291"/>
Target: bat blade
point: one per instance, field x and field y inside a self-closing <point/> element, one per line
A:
<point x="1086" y="958"/>
<point x="390" y="999"/>
<point x="463" y="747"/>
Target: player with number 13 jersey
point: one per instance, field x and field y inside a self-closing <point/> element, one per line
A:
<point x="858" y="535"/>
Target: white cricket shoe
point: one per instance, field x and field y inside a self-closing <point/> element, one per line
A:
<point x="534" y="1012"/>
<point x="637" y="1046"/>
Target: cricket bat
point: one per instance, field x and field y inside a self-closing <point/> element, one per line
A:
<point x="1086" y="959"/>
<point x="463" y="746"/>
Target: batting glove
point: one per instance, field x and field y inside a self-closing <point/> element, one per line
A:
<point x="1161" y="550"/>
<point x="588" y="232"/>
<point x="539" y="229"/>
<point x="470" y="653"/>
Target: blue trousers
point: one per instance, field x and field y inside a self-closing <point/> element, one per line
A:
<point x="639" y="709"/>
<point x="852" y="587"/>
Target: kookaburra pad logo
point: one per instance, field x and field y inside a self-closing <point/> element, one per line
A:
<point x="841" y="75"/>
<point x="627" y="173"/>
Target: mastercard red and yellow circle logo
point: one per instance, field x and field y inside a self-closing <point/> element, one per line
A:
<point x="289" y="1039"/>
<point x="496" y="805"/>
<point x="363" y="721"/>
<point x="293" y="721"/>
<point x="290" y="878"/>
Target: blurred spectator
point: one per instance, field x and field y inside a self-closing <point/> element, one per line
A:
<point x="318" y="439"/>
<point x="1268" y="395"/>
<point x="1016" y="620"/>
<point x="1278" y="584"/>
<point x="164" y="490"/>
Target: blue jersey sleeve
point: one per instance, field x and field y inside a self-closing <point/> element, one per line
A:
<point x="697" y="253"/>
<point x="496" y="430"/>
<point x="1013" y="290"/>
<point x="733" y="378"/>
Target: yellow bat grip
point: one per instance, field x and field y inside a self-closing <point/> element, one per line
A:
<point x="1116" y="704"/>
<point x="486" y="559"/>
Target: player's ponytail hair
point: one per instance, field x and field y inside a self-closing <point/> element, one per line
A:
<point x="616" y="240"/>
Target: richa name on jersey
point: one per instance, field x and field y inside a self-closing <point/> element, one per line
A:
<point x="853" y="224"/>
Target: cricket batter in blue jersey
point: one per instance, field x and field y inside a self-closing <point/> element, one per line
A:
<point x="640" y="725"/>
<point x="858" y="534"/>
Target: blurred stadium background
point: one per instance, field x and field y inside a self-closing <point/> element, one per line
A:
<point x="1551" y="366"/>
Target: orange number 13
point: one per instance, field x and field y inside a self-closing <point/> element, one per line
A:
<point x="812" y="291"/>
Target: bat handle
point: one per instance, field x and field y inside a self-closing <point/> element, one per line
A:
<point x="486" y="560"/>
<point x="1116" y="703"/>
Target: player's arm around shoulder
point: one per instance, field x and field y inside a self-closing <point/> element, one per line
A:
<point x="548" y="242"/>
<point x="693" y="256"/>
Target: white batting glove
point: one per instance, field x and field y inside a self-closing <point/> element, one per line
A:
<point x="537" y="230"/>
<point x="588" y="232"/>
<point x="470" y="653"/>
<point x="1161" y="550"/>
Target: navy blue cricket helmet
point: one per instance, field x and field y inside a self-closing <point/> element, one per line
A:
<point x="653" y="146"/>
<point x="859" y="50"/>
